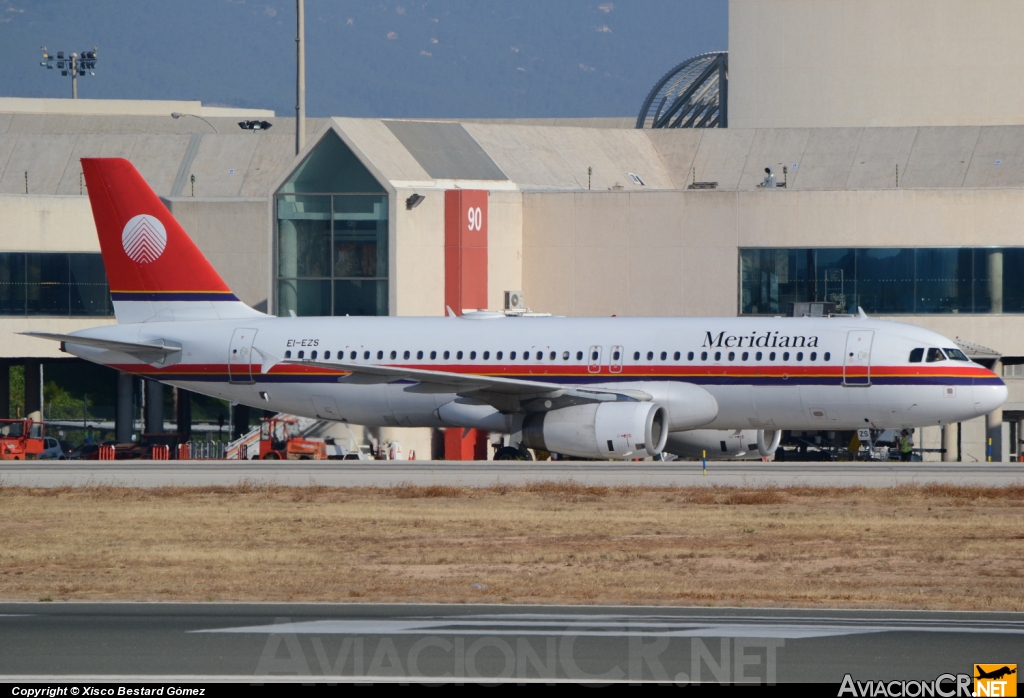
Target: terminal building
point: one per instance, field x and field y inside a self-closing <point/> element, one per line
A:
<point x="894" y="134"/>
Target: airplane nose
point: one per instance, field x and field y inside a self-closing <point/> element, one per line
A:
<point x="989" y="395"/>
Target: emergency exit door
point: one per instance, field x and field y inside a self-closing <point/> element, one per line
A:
<point x="857" y="358"/>
<point x="240" y="356"/>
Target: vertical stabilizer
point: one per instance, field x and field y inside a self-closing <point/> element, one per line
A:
<point x="156" y="273"/>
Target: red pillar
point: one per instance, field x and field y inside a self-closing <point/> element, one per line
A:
<point x="465" y="287"/>
<point x="465" y="249"/>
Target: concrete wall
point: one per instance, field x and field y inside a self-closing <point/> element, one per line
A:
<point x="417" y="253"/>
<point x="504" y="246"/>
<point x="123" y="107"/>
<point x="676" y="253"/>
<point x="232" y="234"/>
<point x="875" y="63"/>
<point x="47" y="224"/>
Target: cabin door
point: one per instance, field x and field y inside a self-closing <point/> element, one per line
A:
<point x="240" y="356"/>
<point x="857" y="358"/>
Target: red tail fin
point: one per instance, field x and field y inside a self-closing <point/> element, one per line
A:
<point x="149" y="258"/>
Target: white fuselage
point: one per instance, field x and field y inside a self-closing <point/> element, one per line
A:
<point x="765" y="373"/>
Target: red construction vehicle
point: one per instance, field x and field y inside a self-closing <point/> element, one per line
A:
<point x="280" y="439"/>
<point x="21" y="439"/>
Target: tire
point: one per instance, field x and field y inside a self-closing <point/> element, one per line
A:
<point x="507" y="453"/>
<point x="271" y="456"/>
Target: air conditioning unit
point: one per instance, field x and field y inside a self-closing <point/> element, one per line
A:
<point x="514" y="300"/>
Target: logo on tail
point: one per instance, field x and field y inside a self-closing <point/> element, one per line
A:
<point x="144" y="239"/>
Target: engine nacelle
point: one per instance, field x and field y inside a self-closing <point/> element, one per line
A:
<point x="718" y="444"/>
<point x="602" y="431"/>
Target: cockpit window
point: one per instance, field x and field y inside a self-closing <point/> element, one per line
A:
<point x="956" y="355"/>
<point x="935" y="355"/>
<point x="916" y="355"/>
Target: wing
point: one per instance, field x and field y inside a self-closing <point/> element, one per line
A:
<point x="151" y="353"/>
<point x="505" y="394"/>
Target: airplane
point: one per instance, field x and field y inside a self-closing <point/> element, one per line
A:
<point x="598" y="388"/>
<point x="995" y="673"/>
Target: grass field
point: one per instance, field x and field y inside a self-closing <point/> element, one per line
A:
<point x="937" y="547"/>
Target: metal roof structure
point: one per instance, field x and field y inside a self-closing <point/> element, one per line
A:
<point x="694" y="94"/>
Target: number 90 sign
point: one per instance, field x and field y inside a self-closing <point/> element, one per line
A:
<point x="476" y="218"/>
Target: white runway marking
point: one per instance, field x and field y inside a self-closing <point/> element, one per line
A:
<point x="625" y="626"/>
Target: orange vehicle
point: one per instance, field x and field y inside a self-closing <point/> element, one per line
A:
<point x="21" y="439"/>
<point x="280" y="439"/>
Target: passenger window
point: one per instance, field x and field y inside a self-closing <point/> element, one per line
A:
<point x="512" y="355"/>
<point x="593" y="356"/>
<point x="799" y="356"/>
<point x="757" y="356"/>
<point x="419" y="355"/>
<point x="916" y="355"/>
<point x="288" y="354"/>
<point x="689" y="356"/>
<point x="828" y="355"/>
<point x="615" y="355"/>
<point x="746" y="355"/>
<point x="352" y="356"/>
<point x="664" y="355"/>
<point x="498" y="356"/>
<point x="327" y="354"/>
<point x="956" y="354"/>
<point x="703" y="356"/>
<point x="458" y="355"/>
<point x="718" y="356"/>
<point x="433" y="355"/>
<point x="552" y="356"/>
<point x="650" y="356"/>
<point x="472" y="355"/>
<point x="814" y="356"/>
<point x="935" y="355"/>
<point x="579" y="356"/>
<point x="302" y="354"/>
<point x="676" y="356"/>
<point x="312" y="354"/>
<point x="487" y="355"/>
<point x="394" y="354"/>
<point x="446" y="354"/>
<point x="380" y="355"/>
<point x="405" y="355"/>
<point x="732" y="356"/>
<point x="771" y="356"/>
<point x="565" y="355"/>
<point x="785" y="356"/>
<point x="636" y="356"/>
<point x="526" y="356"/>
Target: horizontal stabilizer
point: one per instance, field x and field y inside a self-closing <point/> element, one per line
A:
<point x="151" y="353"/>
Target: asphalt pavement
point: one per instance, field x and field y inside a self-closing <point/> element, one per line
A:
<point x="398" y="642"/>
<point x="486" y="473"/>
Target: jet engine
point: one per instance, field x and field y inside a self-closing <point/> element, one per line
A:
<point x="739" y="443"/>
<point x="602" y="431"/>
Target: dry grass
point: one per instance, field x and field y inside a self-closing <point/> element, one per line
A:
<point x="933" y="546"/>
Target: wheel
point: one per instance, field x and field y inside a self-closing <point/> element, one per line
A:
<point x="507" y="453"/>
<point x="271" y="456"/>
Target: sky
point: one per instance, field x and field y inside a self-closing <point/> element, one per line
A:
<point x="425" y="59"/>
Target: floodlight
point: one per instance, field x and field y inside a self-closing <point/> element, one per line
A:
<point x="414" y="201"/>
<point x="76" y="65"/>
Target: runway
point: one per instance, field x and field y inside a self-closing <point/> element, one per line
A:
<point x="268" y="642"/>
<point x="487" y="473"/>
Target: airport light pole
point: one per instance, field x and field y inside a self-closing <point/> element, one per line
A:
<point x="74" y="65"/>
<point x="178" y="115"/>
<point x="300" y="75"/>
